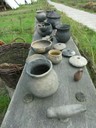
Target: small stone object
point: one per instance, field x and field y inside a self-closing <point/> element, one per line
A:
<point x="65" y="111"/>
<point x="78" y="61"/>
<point x="68" y="52"/>
<point x="80" y="97"/>
<point x="28" y="98"/>
<point x="78" y="75"/>
<point x="59" y="46"/>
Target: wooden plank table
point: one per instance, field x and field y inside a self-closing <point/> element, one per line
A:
<point x="33" y="114"/>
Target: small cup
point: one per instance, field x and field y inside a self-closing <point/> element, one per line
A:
<point x="55" y="56"/>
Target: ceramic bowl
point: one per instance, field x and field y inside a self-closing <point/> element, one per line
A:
<point x="55" y="56"/>
<point x="41" y="46"/>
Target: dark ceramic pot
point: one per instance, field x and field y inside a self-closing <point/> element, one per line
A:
<point x="40" y="16"/>
<point x="63" y="33"/>
<point x="53" y="18"/>
<point x="44" y="29"/>
<point x="48" y="12"/>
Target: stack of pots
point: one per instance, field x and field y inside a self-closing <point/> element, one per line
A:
<point x="53" y="18"/>
<point x="53" y="21"/>
<point x="63" y="30"/>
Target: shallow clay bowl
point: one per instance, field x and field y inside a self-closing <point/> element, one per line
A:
<point x="41" y="46"/>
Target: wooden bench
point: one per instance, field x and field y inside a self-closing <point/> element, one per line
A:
<point x="33" y="114"/>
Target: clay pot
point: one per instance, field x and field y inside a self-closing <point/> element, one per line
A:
<point x="55" y="56"/>
<point x="44" y="29"/>
<point x="43" y="80"/>
<point x="41" y="15"/>
<point x="53" y="18"/>
<point x="63" y="33"/>
<point x="41" y="46"/>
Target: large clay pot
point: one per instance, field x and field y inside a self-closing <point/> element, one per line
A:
<point x="63" y="33"/>
<point x="44" y="29"/>
<point x="43" y="80"/>
<point x="41" y="15"/>
<point x="53" y="18"/>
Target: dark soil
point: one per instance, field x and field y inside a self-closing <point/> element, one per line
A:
<point x="90" y="6"/>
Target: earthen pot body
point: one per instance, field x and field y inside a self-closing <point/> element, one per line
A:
<point x="53" y="18"/>
<point x="63" y="33"/>
<point x="44" y="29"/>
<point x="43" y="80"/>
<point x="41" y="15"/>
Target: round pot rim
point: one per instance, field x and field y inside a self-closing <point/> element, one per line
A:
<point x="46" y="24"/>
<point x="34" y="48"/>
<point x="38" y="11"/>
<point x="58" y="17"/>
<point x="54" y="50"/>
<point x="63" y="27"/>
<point x="44" y="74"/>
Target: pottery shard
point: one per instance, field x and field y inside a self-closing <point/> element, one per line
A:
<point x="78" y="75"/>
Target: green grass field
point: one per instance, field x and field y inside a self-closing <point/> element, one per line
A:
<point x="19" y="22"/>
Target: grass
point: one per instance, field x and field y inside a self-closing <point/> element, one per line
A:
<point x="19" y="22"/>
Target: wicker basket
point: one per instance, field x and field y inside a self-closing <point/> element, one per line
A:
<point x="2" y="42"/>
<point x="12" y="60"/>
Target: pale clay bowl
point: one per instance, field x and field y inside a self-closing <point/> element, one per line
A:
<point x="41" y="46"/>
<point x="55" y="56"/>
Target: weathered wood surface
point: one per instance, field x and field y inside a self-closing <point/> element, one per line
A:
<point x="33" y="115"/>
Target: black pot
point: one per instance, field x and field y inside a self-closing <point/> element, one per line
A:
<point x="44" y="29"/>
<point x="63" y="33"/>
<point x="40" y="16"/>
<point x="53" y="18"/>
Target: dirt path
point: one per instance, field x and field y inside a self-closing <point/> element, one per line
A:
<point x="86" y="18"/>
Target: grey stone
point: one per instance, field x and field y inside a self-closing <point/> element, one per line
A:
<point x="65" y="111"/>
<point x="78" y="61"/>
<point x="68" y="52"/>
<point x="59" y="46"/>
